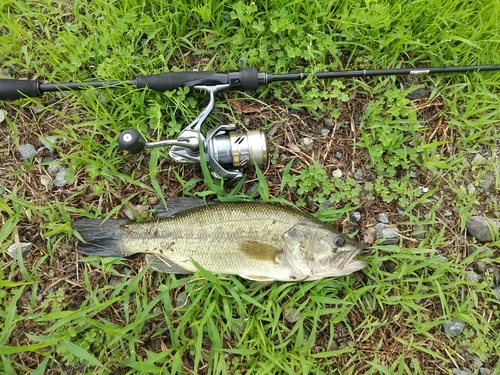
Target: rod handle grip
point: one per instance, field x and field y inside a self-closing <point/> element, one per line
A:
<point x="12" y="89"/>
<point x="246" y="79"/>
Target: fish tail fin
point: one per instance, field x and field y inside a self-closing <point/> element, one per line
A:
<point x="100" y="238"/>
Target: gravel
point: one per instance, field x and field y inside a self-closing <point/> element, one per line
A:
<point x="324" y="132"/>
<point x="359" y="174"/>
<point x="479" y="228"/>
<point x="25" y="248"/>
<point x="2" y="115"/>
<point x="355" y="216"/>
<point x="60" y="180"/>
<point x="28" y="151"/>
<point x="388" y="233"/>
<point x="308" y="143"/>
<point x="487" y="181"/>
<point x="497" y="292"/>
<point x="48" y="143"/>
<point x="419" y="232"/>
<point x="338" y="155"/>
<point x="454" y="327"/>
<point x="328" y="123"/>
<point x="478" y="159"/>
<point x="383" y="218"/>
<point x="291" y="315"/>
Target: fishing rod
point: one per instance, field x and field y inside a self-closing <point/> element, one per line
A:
<point x="226" y="149"/>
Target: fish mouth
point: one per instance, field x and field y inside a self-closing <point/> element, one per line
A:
<point x="348" y="258"/>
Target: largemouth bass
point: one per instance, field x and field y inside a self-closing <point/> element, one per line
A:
<point x="257" y="241"/>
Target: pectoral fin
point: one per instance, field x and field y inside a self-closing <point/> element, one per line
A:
<point x="165" y="265"/>
<point x="259" y="251"/>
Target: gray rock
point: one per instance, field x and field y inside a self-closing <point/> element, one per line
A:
<point x="291" y="315"/>
<point x="24" y="247"/>
<point x="328" y="123"/>
<point x="420" y="93"/>
<point x="338" y="155"/>
<point x="448" y="213"/>
<point x="182" y="300"/>
<point x="310" y="201"/>
<point x="484" y="371"/>
<point x="419" y="232"/>
<point x="478" y="159"/>
<point x="487" y="181"/>
<point x="454" y="327"/>
<point x="388" y="233"/>
<point x="471" y="276"/>
<point x="497" y="292"/>
<point x="308" y="143"/>
<point x="462" y="371"/>
<point x="496" y="276"/>
<point x="477" y="362"/>
<point x="3" y="113"/>
<point x="49" y="142"/>
<point x="480" y="267"/>
<point x="27" y="151"/>
<point x="324" y="132"/>
<point x="355" y="216"/>
<point x="471" y="188"/>
<point x="60" y="180"/>
<point x="55" y="166"/>
<point x="359" y="174"/>
<point x="480" y="228"/>
<point x="383" y="218"/>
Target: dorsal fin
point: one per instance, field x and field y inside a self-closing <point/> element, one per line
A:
<point x="176" y="206"/>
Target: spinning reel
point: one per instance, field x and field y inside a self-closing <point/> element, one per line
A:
<point x="226" y="149"/>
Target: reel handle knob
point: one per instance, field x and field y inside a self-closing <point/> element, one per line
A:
<point x="132" y="141"/>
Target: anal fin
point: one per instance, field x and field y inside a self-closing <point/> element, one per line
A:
<point x="162" y="264"/>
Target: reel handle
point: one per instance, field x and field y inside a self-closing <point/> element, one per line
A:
<point x="132" y="141"/>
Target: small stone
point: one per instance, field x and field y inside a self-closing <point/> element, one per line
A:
<point x="48" y="159"/>
<point x="308" y="143"/>
<point x="477" y="362"/>
<point x="182" y="300"/>
<point x="355" y="216"/>
<point x="484" y="371"/>
<point x="55" y="166"/>
<point x="324" y="132"/>
<point x="291" y="315"/>
<point x="359" y="174"/>
<point x="419" y="232"/>
<point x="337" y="173"/>
<point x="383" y="218"/>
<point x="471" y="276"/>
<point x="420" y="93"/>
<point x="24" y="247"/>
<point x="309" y="201"/>
<point x="27" y="151"/>
<point x="448" y="213"/>
<point x="49" y="142"/>
<point x="3" y="113"/>
<point x="497" y="292"/>
<point x="454" y="327"/>
<point x="46" y="181"/>
<point x="59" y="180"/>
<point x="478" y="159"/>
<point x="471" y="188"/>
<point x="338" y="155"/>
<point x="480" y="268"/>
<point x="328" y="123"/>
<point x="496" y="276"/>
<point x="487" y="181"/>
<point x="389" y="234"/>
<point x="462" y="371"/>
<point x="480" y="228"/>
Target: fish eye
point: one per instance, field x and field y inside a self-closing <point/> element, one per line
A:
<point x="339" y="242"/>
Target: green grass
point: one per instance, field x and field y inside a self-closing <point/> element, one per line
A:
<point x="61" y="312"/>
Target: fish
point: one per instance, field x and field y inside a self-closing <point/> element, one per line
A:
<point x="255" y="240"/>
